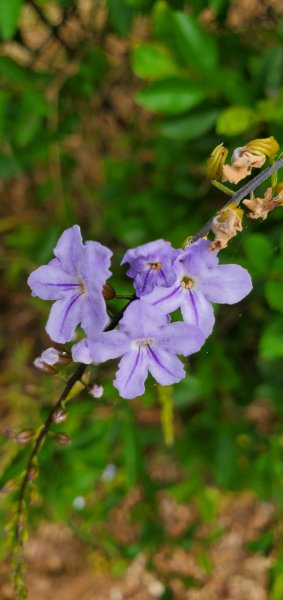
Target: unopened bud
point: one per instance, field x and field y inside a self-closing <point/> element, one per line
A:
<point x="62" y="439"/>
<point x="216" y="161"/>
<point x="10" y="486"/>
<point x="34" y="497"/>
<point x="108" y="292"/>
<point x="33" y="472"/>
<point x="95" y="390"/>
<point x="20" y="437"/>
<point x="24" y="437"/>
<point x="59" y="416"/>
<point x="267" y="146"/>
<point x="42" y="366"/>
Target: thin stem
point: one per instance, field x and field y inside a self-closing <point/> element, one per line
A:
<point x="242" y="193"/>
<point x="76" y="376"/>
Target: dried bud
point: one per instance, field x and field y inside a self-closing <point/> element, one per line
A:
<point x="95" y="390"/>
<point x="62" y="439"/>
<point x="216" y="161"/>
<point x="226" y="225"/>
<point x="242" y="163"/>
<point x="260" y="207"/>
<point x="108" y="292"/>
<point x="59" y="416"/>
<point x="267" y="146"/>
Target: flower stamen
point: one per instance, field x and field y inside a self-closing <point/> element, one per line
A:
<point x="187" y="282"/>
<point x="156" y="266"/>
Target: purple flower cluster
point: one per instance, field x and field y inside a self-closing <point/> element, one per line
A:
<point x="165" y="279"/>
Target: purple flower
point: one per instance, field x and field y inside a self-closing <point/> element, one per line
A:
<point x="146" y="342"/>
<point x="201" y="281"/>
<point x="151" y="265"/>
<point x="74" y="279"/>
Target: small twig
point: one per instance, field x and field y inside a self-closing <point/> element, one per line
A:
<point x="76" y="376"/>
<point x="242" y="193"/>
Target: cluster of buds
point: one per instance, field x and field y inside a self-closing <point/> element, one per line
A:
<point x="244" y="159"/>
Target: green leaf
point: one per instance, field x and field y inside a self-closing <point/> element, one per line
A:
<point x="259" y="251"/>
<point x="274" y="294"/>
<point x="121" y="15"/>
<point x="189" y="127"/>
<point x="277" y="588"/>
<point x="235" y="120"/>
<point x="153" y="61"/>
<point x="9" y="15"/>
<point x="171" y="96"/>
<point x="197" y="47"/>
<point x="271" y="343"/>
<point x="274" y="287"/>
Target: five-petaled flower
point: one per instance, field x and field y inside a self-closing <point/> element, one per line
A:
<point x="147" y="342"/>
<point x="74" y="279"/>
<point x="200" y="280"/>
<point x="151" y="265"/>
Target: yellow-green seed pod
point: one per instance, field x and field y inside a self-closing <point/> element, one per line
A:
<point x="267" y="146"/>
<point x="216" y="161"/>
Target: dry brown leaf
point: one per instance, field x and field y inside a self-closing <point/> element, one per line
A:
<point x="226" y="225"/>
<point x="260" y="207"/>
<point x="241" y="165"/>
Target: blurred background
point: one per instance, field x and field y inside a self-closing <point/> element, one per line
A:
<point x="109" y="110"/>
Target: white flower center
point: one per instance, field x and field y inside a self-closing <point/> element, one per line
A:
<point x="142" y="343"/>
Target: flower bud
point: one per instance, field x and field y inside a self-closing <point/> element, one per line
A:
<point x="33" y="472"/>
<point x="62" y="439"/>
<point x="108" y="292"/>
<point x="59" y="416"/>
<point x="216" y="161"/>
<point x="267" y="146"/>
<point x="20" y="437"/>
<point x="95" y="390"/>
<point x="42" y="366"/>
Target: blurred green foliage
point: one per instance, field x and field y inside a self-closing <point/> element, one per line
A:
<point x="130" y="175"/>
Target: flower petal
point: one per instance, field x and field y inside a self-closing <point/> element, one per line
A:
<point x="95" y="265"/>
<point x="110" y="344"/>
<point x="164" y="367"/>
<point x="132" y="374"/>
<point x="226" y="284"/>
<point x="69" y="249"/>
<point x="94" y="317"/>
<point x="198" y="257"/>
<point x="51" y="282"/>
<point x="141" y="319"/>
<point x="180" y="338"/>
<point x="81" y="352"/>
<point x="166" y="299"/>
<point x="197" y="311"/>
<point x="64" y="316"/>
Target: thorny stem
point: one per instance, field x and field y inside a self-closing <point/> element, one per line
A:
<point x="236" y="198"/>
<point x="76" y="376"/>
<point x="242" y="193"/>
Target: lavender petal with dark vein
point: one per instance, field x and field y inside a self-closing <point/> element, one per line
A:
<point x="74" y="279"/>
<point x="146" y="343"/>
